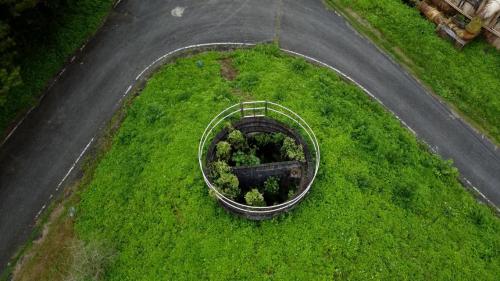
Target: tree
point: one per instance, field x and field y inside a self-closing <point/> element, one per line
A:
<point x="9" y="72"/>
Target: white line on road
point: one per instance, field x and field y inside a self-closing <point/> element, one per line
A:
<point x="74" y="164"/>
<point x="482" y="195"/>
<point x="65" y="176"/>
<point x="40" y="212"/>
<point x="128" y="90"/>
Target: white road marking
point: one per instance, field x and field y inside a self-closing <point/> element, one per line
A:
<point x="17" y="125"/>
<point x="128" y="90"/>
<point x="482" y="195"/>
<point x="117" y="105"/>
<point x="40" y="212"/>
<point x="187" y="48"/>
<point x="406" y="125"/>
<point x="177" y="12"/>
<point x="74" y="164"/>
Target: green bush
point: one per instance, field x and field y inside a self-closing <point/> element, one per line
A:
<point x="223" y="151"/>
<point x="245" y="159"/>
<point x="220" y="167"/>
<point x="9" y="72"/>
<point x="299" y="65"/>
<point x="254" y="198"/>
<point x="228" y="185"/>
<point x="263" y="139"/>
<point x="224" y="180"/>
<point x="237" y="140"/>
<point x="271" y="185"/>
<point x="292" y="150"/>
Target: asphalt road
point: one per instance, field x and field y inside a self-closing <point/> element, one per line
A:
<point x="42" y="150"/>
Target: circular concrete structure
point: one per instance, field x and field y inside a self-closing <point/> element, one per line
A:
<point x="260" y="112"/>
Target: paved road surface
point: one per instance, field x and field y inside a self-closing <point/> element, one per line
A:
<point x="44" y="147"/>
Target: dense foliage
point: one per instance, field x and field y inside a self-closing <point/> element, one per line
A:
<point x="238" y="149"/>
<point x="382" y="206"/>
<point x="292" y="150"/>
<point x="271" y="185"/>
<point x="254" y="198"/>
<point x="36" y="38"/>
<point x="468" y="79"/>
<point x="223" y="151"/>
<point x="227" y="183"/>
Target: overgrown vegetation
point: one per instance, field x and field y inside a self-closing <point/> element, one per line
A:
<point x="36" y="38"/>
<point x="89" y="260"/>
<point x="227" y="183"/>
<point x="250" y="150"/>
<point x="292" y="150"/>
<point x="382" y="206"/>
<point x="255" y="198"/>
<point x="271" y="185"/>
<point x="467" y="79"/>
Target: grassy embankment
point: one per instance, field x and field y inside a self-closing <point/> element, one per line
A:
<point x="42" y="54"/>
<point x="468" y="80"/>
<point x="382" y="207"/>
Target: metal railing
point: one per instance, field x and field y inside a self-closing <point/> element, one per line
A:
<point x="257" y="109"/>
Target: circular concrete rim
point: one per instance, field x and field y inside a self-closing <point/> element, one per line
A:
<point x="258" y="106"/>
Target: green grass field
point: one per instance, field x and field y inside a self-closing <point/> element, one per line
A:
<point x="382" y="207"/>
<point x="468" y="79"/>
<point x="44" y="56"/>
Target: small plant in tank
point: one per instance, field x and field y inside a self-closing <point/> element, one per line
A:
<point x="250" y="150"/>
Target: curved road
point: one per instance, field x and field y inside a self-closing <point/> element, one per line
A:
<point x="38" y="158"/>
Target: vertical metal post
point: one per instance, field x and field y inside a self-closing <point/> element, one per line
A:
<point x="241" y="110"/>
<point x="265" y="111"/>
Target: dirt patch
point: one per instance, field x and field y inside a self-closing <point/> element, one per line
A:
<point x="227" y="69"/>
<point x="229" y="72"/>
<point x="50" y="255"/>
